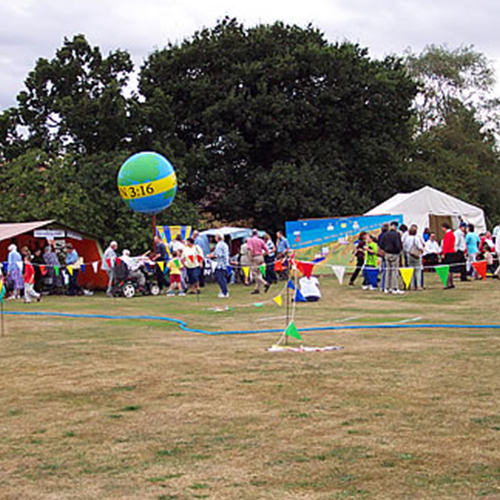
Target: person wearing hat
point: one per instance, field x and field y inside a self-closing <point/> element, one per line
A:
<point x="460" y="249"/>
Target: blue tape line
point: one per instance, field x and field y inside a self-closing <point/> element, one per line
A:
<point x="183" y="325"/>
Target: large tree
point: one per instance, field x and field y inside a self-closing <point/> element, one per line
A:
<point x="273" y="122"/>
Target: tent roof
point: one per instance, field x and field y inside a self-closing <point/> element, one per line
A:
<point x="10" y="230"/>
<point x="429" y="201"/>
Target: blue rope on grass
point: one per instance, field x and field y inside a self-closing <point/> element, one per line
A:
<point x="183" y="325"/>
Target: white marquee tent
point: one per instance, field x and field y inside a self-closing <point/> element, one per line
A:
<point x="429" y="207"/>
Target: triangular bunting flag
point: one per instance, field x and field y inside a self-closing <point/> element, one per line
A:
<point x="109" y="263"/>
<point x="371" y="274"/>
<point x="300" y="266"/>
<point x="148" y="268"/>
<point x="443" y="273"/>
<point x="278" y="300"/>
<point x="95" y="266"/>
<point x="290" y="285"/>
<point x="200" y="259"/>
<point x="481" y="267"/>
<point x="43" y="270"/>
<point x="339" y="271"/>
<point x="177" y="262"/>
<point x="258" y="304"/>
<point x="70" y="270"/>
<point x="229" y="270"/>
<point x="299" y="297"/>
<point x="291" y="331"/>
<point x="262" y="269"/>
<point x="246" y="271"/>
<point x="5" y="266"/>
<point x="82" y="267"/>
<point x="118" y="261"/>
<point x="191" y="258"/>
<point x="278" y="266"/>
<point x="2" y="290"/>
<point x="56" y="270"/>
<point x="307" y="268"/>
<point x="20" y="266"/>
<point x="317" y="260"/>
<point x="161" y="265"/>
<point x="407" y="275"/>
<point x="214" y="265"/>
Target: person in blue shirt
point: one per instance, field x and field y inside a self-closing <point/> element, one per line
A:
<point x="472" y="242"/>
<point x="221" y="256"/>
<point x="72" y="259"/>
<point x="282" y="246"/>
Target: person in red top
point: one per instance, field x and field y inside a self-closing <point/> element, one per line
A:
<point x="448" y="252"/>
<point x="29" y="281"/>
<point x="257" y="249"/>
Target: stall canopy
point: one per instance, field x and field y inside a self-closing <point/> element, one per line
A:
<point x="429" y="207"/>
<point x="234" y="233"/>
<point x="36" y="234"/>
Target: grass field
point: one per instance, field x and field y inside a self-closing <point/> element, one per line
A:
<point x="126" y="409"/>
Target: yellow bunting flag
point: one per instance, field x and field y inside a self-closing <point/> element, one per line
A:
<point x="246" y="270"/>
<point x="70" y="270"/>
<point x="161" y="265"/>
<point x="278" y="300"/>
<point x="407" y="275"/>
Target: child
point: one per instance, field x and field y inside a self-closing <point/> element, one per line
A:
<point x="29" y="281"/>
<point x="175" y="267"/>
<point x="371" y="262"/>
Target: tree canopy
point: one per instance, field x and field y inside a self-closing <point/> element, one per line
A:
<point x="263" y="124"/>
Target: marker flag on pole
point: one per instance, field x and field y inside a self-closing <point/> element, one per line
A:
<point x="339" y="271"/>
<point x="407" y="275"/>
<point x="82" y="267"/>
<point x="95" y="266"/>
<point x="262" y="269"/>
<point x="246" y="271"/>
<point x="481" y="267"/>
<point x="2" y="290"/>
<point x="291" y="331"/>
<point x="278" y="300"/>
<point x="299" y="297"/>
<point x="371" y="274"/>
<point x="290" y="285"/>
<point x="70" y="270"/>
<point x="443" y="273"/>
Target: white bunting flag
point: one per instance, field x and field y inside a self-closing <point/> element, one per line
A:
<point x="339" y="272"/>
<point x="95" y="266"/>
<point x="20" y="266"/>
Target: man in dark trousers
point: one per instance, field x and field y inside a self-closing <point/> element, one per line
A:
<point x="392" y="247"/>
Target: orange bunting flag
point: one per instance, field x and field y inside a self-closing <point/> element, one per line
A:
<point x="278" y="300"/>
<point x="481" y="267"/>
<point x="278" y="266"/>
<point x="43" y="270"/>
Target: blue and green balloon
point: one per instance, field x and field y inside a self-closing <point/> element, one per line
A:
<point x="147" y="183"/>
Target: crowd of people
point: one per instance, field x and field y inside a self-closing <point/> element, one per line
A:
<point x="398" y="246"/>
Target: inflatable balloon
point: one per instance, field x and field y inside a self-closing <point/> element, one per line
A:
<point x="147" y="183"/>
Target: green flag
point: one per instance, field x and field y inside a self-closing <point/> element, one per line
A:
<point x="258" y="304"/>
<point x="177" y="262"/>
<point x="56" y="269"/>
<point x="263" y="270"/>
<point x="2" y="291"/>
<point x="291" y="331"/>
<point x="443" y="273"/>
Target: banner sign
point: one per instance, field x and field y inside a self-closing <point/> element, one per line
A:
<point x="49" y="234"/>
<point x="332" y="238"/>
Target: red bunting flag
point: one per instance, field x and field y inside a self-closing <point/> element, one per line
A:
<point x="109" y="263"/>
<point x="278" y="266"/>
<point x="43" y="270"/>
<point x="200" y="259"/>
<point x="118" y="261"/>
<point x="307" y="268"/>
<point x="191" y="258"/>
<point x="299" y="266"/>
<point x="480" y="268"/>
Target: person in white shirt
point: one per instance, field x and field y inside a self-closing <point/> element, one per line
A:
<point x="309" y="287"/>
<point x="432" y="251"/>
<point x="108" y="262"/>
<point x="460" y="248"/>
<point x="134" y="268"/>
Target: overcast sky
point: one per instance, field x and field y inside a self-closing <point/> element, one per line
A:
<point x="35" y="28"/>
